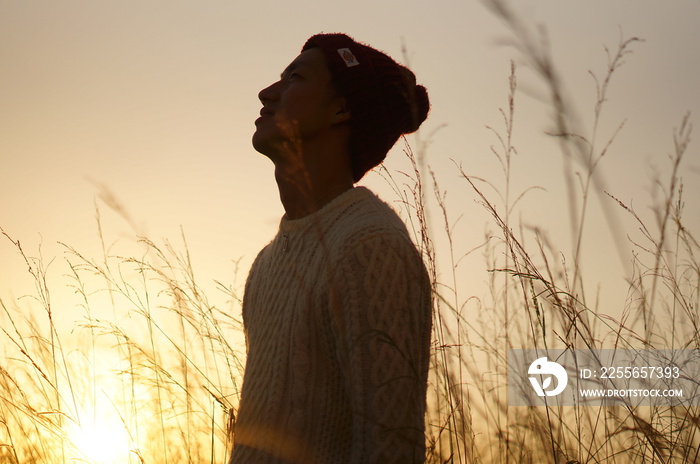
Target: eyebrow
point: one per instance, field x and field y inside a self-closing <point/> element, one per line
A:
<point x="292" y="66"/>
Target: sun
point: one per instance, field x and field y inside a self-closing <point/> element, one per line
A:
<point x="101" y="441"/>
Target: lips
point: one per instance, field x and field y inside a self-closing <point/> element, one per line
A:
<point x="265" y="112"/>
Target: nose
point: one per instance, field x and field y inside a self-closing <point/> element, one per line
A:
<point x="268" y="94"/>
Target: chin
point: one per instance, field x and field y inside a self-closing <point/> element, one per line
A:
<point x="259" y="141"/>
<point x="263" y="146"/>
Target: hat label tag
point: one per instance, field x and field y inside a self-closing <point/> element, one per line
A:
<point x="348" y="57"/>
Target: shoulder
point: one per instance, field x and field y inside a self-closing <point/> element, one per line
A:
<point x="368" y="216"/>
<point x="370" y="227"/>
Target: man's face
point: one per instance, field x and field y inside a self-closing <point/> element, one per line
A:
<point x="302" y="106"/>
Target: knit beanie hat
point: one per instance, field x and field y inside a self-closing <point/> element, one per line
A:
<point x="382" y="96"/>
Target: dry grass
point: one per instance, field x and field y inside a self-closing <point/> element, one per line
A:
<point x="538" y="300"/>
<point x="163" y="367"/>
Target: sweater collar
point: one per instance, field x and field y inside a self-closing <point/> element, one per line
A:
<point x="327" y="213"/>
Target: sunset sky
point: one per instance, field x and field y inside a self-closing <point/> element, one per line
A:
<point x="155" y="100"/>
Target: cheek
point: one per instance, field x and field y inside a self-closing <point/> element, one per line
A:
<point x="304" y="101"/>
<point x="287" y="119"/>
<point x="303" y="110"/>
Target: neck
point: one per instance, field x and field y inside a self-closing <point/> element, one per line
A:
<point x="308" y="188"/>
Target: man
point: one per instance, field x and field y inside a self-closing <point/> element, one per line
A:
<point x="337" y="308"/>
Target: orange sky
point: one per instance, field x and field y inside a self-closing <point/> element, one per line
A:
<point x="156" y="101"/>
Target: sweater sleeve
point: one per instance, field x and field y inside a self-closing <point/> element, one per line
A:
<point x="381" y="301"/>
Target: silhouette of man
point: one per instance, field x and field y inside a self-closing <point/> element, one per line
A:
<point x="337" y="307"/>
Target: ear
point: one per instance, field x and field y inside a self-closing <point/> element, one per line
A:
<point x="341" y="111"/>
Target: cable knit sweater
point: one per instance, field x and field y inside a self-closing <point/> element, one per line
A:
<point x="337" y="317"/>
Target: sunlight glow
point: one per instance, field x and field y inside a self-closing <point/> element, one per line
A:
<point x="102" y="441"/>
